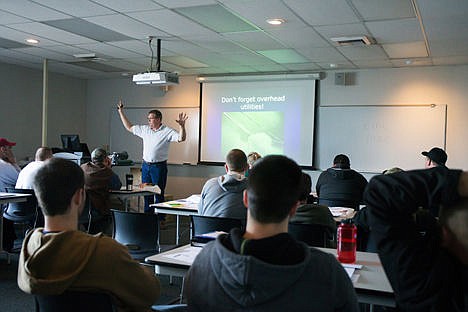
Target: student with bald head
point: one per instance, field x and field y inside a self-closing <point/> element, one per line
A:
<point x="26" y="176"/>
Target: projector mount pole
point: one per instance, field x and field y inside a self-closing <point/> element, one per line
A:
<point x="158" y="54"/>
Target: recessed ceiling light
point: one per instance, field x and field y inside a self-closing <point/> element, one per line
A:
<point x="333" y="65"/>
<point x="408" y="62"/>
<point x="33" y="41"/>
<point x="275" y="21"/>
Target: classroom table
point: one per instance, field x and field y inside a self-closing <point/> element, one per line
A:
<point x="180" y="207"/>
<point x="125" y="195"/>
<point x="189" y="206"/>
<point x="6" y="198"/>
<point x="370" y="282"/>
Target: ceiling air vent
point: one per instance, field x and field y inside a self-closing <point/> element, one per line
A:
<point x="353" y="40"/>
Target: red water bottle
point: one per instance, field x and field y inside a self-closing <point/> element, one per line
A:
<point x="346" y="249"/>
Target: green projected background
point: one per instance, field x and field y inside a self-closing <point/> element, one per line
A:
<point x="262" y="132"/>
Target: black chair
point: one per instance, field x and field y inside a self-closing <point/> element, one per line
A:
<point x="316" y="235"/>
<point x="204" y="224"/>
<point x="26" y="212"/>
<point x="138" y="231"/>
<point x="75" y="301"/>
<point x="86" y="218"/>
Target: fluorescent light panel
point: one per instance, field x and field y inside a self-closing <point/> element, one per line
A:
<point x="217" y="18"/>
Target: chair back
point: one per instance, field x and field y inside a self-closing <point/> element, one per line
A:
<point x="74" y="301"/>
<point x="138" y="231"/>
<point x="22" y="211"/>
<point x="316" y="235"/>
<point x="205" y="224"/>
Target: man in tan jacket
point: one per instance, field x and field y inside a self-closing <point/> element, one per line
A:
<point x="58" y="257"/>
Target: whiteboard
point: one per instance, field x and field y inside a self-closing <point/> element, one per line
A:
<point x="380" y="137"/>
<point x="179" y="153"/>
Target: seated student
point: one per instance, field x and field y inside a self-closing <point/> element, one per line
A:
<point x="222" y="196"/>
<point x="265" y="269"/>
<point x="26" y="175"/>
<point x="58" y="257"/>
<point x="251" y="159"/>
<point x="340" y="186"/>
<point x="99" y="179"/>
<point x="312" y="213"/>
<point x="427" y="272"/>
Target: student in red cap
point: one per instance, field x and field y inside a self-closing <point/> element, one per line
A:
<point x="8" y="168"/>
<point x="8" y="175"/>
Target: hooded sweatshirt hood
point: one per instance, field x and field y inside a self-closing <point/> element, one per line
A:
<point x="232" y="183"/>
<point x="239" y="276"/>
<point x="42" y="267"/>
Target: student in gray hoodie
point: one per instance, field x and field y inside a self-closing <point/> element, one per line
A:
<point x="264" y="268"/>
<point x="222" y="196"/>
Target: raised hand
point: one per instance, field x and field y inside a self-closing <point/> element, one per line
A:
<point x="182" y="118"/>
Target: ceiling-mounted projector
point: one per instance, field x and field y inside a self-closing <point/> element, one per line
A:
<point x="161" y="78"/>
<point x="156" y="77"/>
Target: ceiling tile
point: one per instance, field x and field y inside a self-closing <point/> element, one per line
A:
<point x="395" y="31"/>
<point x="19" y="54"/>
<point x="295" y="38"/>
<point x="414" y="62"/>
<point x="372" y="52"/>
<point x="269" y="68"/>
<point x="283" y="56"/>
<point x="79" y="8"/>
<point x="8" y="44"/>
<point x="331" y="31"/>
<point x="52" y="33"/>
<point x="8" y="18"/>
<point x="384" y="9"/>
<point x="44" y="53"/>
<point x="448" y="47"/>
<point x="323" y="55"/>
<point x="248" y="58"/>
<point x="405" y="50"/>
<point x="216" y="18"/>
<point x="126" y="26"/>
<point x="99" y="66"/>
<point x="184" y="3"/>
<point x="372" y="63"/>
<point x="31" y="10"/>
<point x="258" y="11"/>
<point x="302" y="67"/>
<point x="20" y="36"/>
<point x="129" y="6"/>
<point x="170" y="22"/>
<point x="255" y="40"/>
<point x="109" y="50"/>
<point x="137" y="46"/>
<point x="86" y="29"/>
<point x="215" y="43"/>
<point x="450" y="60"/>
<point x="319" y="12"/>
<point x="184" y="61"/>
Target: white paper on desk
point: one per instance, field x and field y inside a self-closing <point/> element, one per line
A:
<point x="151" y="188"/>
<point x="195" y="199"/>
<point x="350" y="272"/>
<point x="186" y="255"/>
<point x="340" y="211"/>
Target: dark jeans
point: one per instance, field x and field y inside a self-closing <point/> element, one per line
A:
<point x="155" y="173"/>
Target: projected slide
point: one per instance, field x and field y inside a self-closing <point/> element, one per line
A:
<point x="262" y="132"/>
<point x="269" y="117"/>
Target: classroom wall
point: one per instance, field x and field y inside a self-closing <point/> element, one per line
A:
<point x="21" y="108"/>
<point x="83" y="107"/>
<point x="416" y="85"/>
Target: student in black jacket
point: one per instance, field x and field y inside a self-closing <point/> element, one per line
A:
<point x="426" y="264"/>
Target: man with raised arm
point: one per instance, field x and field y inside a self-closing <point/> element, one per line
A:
<point x="264" y="268"/>
<point x="58" y="257"/>
<point x="156" y="140"/>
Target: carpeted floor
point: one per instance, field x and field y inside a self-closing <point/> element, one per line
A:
<point x="12" y="299"/>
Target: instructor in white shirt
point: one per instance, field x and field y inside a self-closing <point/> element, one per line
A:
<point x="156" y="140"/>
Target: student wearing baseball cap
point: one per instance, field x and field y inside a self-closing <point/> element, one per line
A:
<point x="435" y="157"/>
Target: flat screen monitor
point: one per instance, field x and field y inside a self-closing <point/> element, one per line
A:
<point x="71" y="142"/>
